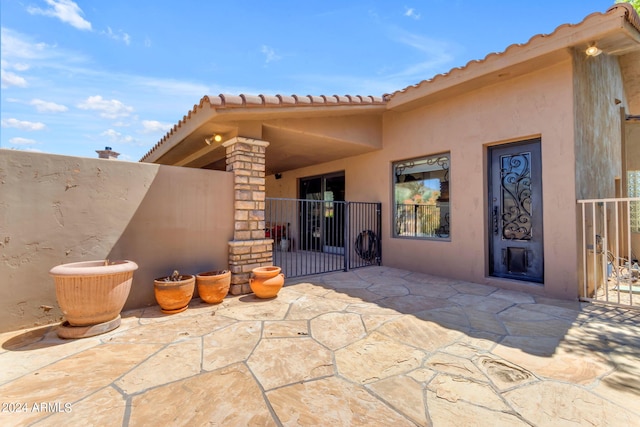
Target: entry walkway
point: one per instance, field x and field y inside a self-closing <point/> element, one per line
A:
<point x="371" y="347"/>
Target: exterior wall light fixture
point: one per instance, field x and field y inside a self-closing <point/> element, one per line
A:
<point x="216" y="137"/>
<point x="593" y="50"/>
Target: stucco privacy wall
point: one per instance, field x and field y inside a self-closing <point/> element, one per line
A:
<point x="59" y="209"/>
<point x="597" y="86"/>
<point x="537" y="104"/>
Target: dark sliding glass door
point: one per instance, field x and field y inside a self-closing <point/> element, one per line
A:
<point x="321" y="219"/>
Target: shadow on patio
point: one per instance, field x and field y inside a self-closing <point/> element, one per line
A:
<point x="373" y="346"/>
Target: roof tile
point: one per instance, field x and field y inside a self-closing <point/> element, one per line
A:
<point x="330" y="99"/>
<point x="286" y="100"/>
<point x="302" y="99"/>
<point x="229" y="100"/>
<point x="252" y="99"/>
<point x="270" y="99"/>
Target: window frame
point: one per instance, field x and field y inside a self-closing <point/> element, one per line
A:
<point x="421" y="221"/>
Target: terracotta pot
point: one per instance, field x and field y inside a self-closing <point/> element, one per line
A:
<point x="266" y="281"/>
<point x="174" y="296"/>
<point x="92" y="292"/>
<point x="213" y="286"/>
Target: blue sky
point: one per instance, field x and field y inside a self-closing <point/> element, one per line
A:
<point x="81" y="75"/>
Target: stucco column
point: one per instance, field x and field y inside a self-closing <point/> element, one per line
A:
<point x="249" y="248"/>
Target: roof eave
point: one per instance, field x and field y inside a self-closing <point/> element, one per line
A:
<point x="234" y="108"/>
<point x="541" y="50"/>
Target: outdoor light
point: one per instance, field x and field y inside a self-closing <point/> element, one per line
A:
<point x="215" y="137"/>
<point x="593" y="50"/>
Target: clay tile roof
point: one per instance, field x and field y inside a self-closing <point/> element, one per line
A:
<point x="225" y="101"/>
<point x="248" y="101"/>
<point x="630" y="15"/>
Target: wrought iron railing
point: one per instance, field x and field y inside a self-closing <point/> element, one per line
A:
<point x="422" y="220"/>
<point x="610" y="249"/>
<point x="319" y="236"/>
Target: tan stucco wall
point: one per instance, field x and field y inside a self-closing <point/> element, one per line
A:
<point x="537" y="104"/>
<point x="59" y="209"/>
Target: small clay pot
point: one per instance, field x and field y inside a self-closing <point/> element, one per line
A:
<point x="266" y="281"/>
<point x="174" y="296"/>
<point x="213" y="286"/>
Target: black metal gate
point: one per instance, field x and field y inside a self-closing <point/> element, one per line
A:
<point x="319" y="236"/>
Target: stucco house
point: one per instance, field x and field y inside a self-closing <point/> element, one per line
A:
<point x="500" y="150"/>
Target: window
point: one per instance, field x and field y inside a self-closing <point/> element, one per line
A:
<point x="421" y="197"/>
<point x="633" y="179"/>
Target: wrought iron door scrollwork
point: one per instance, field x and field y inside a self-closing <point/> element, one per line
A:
<point x="515" y="189"/>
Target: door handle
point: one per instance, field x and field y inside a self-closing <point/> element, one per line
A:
<point x="495" y="220"/>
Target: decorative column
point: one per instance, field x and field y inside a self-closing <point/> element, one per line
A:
<point x="249" y="248"/>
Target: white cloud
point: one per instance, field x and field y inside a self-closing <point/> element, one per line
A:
<point x="433" y="56"/>
<point x="150" y="126"/>
<point x="22" y="141"/>
<point x="20" y="67"/>
<point x="170" y="86"/>
<point x="48" y="107"/>
<point x="66" y="11"/>
<point x="411" y="13"/>
<point x="438" y="54"/>
<point x="16" y="45"/>
<point x="108" y="109"/>
<point x="270" y="54"/>
<point x="23" y="125"/>
<point x="8" y="79"/>
<point x="119" y="36"/>
<point x="116" y="136"/>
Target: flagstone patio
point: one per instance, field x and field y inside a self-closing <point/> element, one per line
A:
<point x="375" y="346"/>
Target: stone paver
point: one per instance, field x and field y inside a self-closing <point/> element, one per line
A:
<point x="374" y="346"/>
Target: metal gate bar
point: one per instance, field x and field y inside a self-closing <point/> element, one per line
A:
<point x="320" y="236"/>
<point x="610" y="271"/>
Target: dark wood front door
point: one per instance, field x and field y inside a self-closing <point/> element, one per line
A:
<point x="515" y="218"/>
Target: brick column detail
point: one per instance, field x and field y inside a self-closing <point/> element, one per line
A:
<point x="249" y="248"/>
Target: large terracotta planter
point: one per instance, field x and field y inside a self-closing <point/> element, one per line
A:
<point x="266" y="281"/>
<point x="213" y="286"/>
<point x="93" y="292"/>
<point x="174" y="296"/>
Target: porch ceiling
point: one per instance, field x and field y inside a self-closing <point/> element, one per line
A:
<point x="298" y="136"/>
